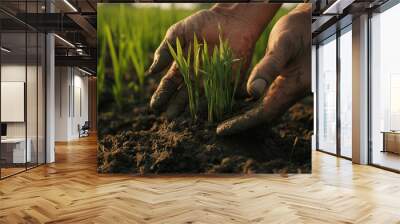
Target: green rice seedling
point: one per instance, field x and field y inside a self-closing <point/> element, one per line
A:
<point x="219" y="85"/>
<point x="138" y="60"/>
<point x="101" y="66"/>
<point x="130" y="35"/>
<point x="184" y="66"/>
<point x="118" y="82"/>
<point x="216" y="72"/>
<point x="196" y="69"/>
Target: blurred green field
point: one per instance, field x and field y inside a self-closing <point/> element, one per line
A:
<point x="127" y="38"/>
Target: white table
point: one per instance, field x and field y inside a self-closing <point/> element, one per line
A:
<point x="18" y="144"/>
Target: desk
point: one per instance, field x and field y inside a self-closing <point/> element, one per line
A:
<point x="391" y="141"/>
<point x="13" y="150"/>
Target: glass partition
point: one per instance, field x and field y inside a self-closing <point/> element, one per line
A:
<point x="22" y="77"/>
<point x="326" y="60"/>
<point x="15" y="152"/>
<point x="385" y="89"/>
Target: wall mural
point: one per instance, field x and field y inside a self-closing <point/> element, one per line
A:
<point x="204" y="88"/>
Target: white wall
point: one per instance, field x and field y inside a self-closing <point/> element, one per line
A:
<point x="62" y="81"/>
<point x="13" y="73"/>
<point x="71" y="94"/>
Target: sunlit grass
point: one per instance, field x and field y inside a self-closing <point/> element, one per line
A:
<point x="127" y="39"/>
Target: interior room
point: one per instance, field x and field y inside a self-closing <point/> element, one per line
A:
<point x="33" y="98"/>
<point x="48" y="151"/>
<point x="22" y="99"/>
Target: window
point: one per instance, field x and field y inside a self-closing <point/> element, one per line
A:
<point x="385" y="89"/>
<point x="326" y="61"/>
<point x="346" y="92"/>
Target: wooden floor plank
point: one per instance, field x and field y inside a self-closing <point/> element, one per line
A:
<point x="71" y="191"/>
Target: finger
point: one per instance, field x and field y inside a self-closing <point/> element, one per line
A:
<point x="168" y="86"/>
<point x="262" y="76"/>
<point x="178" y="103"/>
<point x="283" y="93"/>
<point x="242" y="122"/>
<point x="271" y="65"/>
<point x="162" y="56"/>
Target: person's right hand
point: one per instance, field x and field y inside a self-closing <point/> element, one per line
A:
<point x="241" y="25"/>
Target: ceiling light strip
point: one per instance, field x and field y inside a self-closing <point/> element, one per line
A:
<point x="84" y="71"/>
<point x="337" y="7"/>
<point x="64" y="40"/>
<point x="70" y="5"/>
<point x="5" y="50"/>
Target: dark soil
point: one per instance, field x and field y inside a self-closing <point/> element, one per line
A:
<point x="138" y="141"/>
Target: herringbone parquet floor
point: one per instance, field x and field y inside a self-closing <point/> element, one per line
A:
<point x="70" y="191"/>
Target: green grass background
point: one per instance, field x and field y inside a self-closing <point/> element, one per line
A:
<point x="127" y="38"/>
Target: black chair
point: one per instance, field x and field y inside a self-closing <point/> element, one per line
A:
<point x="84" y="130"/>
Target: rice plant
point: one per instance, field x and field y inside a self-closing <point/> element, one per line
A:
<point x="220" y="79"/>
<point x="185" y="66"/>
<point x="117" y="87"/>
<point x="216" y="72"/>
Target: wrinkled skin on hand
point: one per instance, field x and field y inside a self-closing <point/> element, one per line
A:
<point x="283" y="76"/>
<point x="241" y="34"/>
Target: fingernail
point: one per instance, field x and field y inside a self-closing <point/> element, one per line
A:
<point x="257" y="88"/>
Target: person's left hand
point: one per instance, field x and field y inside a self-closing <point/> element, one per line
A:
<point x="282" y="77"/>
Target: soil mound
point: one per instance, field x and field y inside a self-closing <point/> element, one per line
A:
<point x="151" y="144"/>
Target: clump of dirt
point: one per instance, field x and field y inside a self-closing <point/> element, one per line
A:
<point x="152" y="144"/>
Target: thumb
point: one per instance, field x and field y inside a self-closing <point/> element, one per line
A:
<point x="271" y="65"/>
<point x="262" y="76"/>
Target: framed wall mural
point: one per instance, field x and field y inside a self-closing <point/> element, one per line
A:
<point x="204" y="88"/>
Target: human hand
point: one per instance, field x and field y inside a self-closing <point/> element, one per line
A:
<point x="283" y="76"/>
<point x="239" y="24"/>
